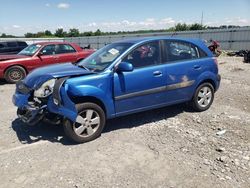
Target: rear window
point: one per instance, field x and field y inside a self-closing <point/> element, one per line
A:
<point x="11" y="44"/>
<point x="202" y="53"/>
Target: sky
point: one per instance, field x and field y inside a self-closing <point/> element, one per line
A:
<point x="18" y="17"/>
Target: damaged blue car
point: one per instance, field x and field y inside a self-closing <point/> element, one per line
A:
<point x="121" y="78"/>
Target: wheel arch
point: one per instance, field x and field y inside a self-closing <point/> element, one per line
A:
<point x="15" y="65"/>
<point x="90" y="93"/>
<point x="207" y="81"/>
<point x="83" y="99"/>
<point x="209" y="77"/>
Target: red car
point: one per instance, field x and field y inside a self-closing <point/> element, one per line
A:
<point x="15" y="67"/>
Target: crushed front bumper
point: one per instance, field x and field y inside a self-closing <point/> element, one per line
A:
<point x="27" y="111"/>
<point x="58" y="103"/>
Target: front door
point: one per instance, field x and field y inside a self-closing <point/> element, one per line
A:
<point x="48" y="56"/>
<point x="141" y="88"/>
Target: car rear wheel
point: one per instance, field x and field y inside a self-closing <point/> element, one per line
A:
<point x="14" y="74"/>
<point x="91" y="125"/>
<point x="203" y="97"/>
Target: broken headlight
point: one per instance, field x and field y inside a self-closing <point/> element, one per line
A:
<point x="46" y="89"/>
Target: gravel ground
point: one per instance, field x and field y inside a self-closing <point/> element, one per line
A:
<point x="168" y="147"/>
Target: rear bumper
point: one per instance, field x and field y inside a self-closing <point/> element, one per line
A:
<point x="218" y="79"/>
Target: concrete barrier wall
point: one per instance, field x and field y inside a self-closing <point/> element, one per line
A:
<point x="34" y="40"/>
<point x="230" y="39"/>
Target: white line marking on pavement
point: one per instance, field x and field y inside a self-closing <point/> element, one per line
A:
<point x="24" y="146"/>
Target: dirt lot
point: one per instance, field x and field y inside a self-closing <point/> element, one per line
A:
<point x="168" y="147"/>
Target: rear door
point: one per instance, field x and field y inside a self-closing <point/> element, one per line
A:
<point x="65" y="53"/>
<point x="141" y="88"/>
<point x="183" y="65"/>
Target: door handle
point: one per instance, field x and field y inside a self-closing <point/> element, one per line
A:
<point x="197" y="67"/>
<point x="157" y="73"/>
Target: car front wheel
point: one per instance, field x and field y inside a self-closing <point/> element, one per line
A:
<point x="14" y="74"/>
<point x="203" y="97"/>
<point x="92" y="123"/>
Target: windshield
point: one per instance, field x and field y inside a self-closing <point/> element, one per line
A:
<point x="30" y="50"/>
<point x="104" y="57"/>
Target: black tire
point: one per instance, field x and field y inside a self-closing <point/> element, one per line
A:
<point x="14" y="74"/>
<point x="69" y="126"/>
<point x="195" y="100"/>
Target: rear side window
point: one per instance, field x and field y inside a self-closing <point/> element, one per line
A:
<point x="64" y="48"/>
<point x="1" y="46"/>
<point x="21" y="43"/>
<point x="11" y="44"/>
<point x="179" y="50"/>
<point x="146" y="55"/>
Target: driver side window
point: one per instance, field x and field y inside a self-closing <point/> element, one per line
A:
<point x="145" y="55"/>
<point x="49" y="50"/>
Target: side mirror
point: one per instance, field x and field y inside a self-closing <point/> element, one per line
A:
<point x="40" y="53"/>
<point x="124" y="67"/>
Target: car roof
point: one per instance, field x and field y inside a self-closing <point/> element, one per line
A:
<point x="198" y="42"/>
<point x="51" y="42"/>
<point x="147" y="39"/>
<point x="11" y="41"/>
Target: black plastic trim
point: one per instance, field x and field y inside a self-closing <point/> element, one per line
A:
<point x="156" y="90"/>
<point x="56" y="91"/>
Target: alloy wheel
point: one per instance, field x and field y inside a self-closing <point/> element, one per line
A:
<point x="90" y="125"/>
<point x="15" y="75"/>
<point x="204" y="96"/>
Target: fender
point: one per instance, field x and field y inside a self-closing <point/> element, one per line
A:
<point x="66" y="108"/>
<point x="92" y="91"/>
<point x="208" y="76"/>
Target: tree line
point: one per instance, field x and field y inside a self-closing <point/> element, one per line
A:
<point x="76" y="33"/>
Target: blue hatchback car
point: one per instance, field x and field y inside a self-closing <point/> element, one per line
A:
<point x="121" y="78"/>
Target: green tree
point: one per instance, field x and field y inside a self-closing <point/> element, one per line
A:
<point x="40" y="34"/>
<point x="87" y="33"/>
<point x="73" y="32"/>
<point x="47" y="33"/>
<point x="29" y="35"/>
<point x="60" y="33"/>
<point x="3" y="35"/>
<point x="98" y="32"/>
<point x="181" y="27"/>
<point x="196" y="26"/>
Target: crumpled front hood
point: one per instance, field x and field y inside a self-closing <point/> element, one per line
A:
<point x="37" y="77"/>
